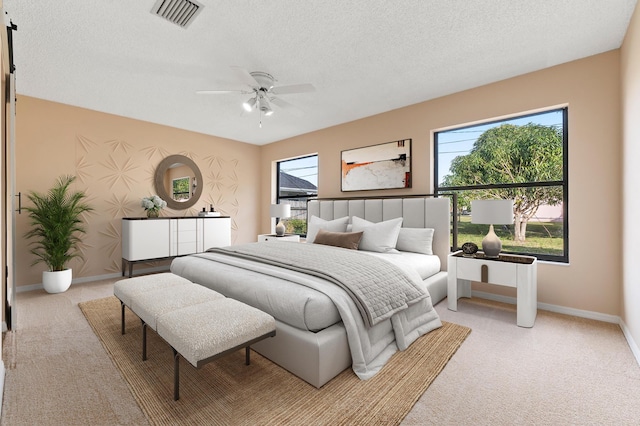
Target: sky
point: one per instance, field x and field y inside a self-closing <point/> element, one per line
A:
<point x="304" y="168"/>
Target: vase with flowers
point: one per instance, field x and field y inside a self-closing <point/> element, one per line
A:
<point x="153" y="205"/>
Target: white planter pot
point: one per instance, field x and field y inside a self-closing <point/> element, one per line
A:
<point x="56" y="281"/>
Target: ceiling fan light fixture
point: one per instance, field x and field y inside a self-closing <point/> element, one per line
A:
<point x="248" y="105"/>
<point x="264" y="107"/>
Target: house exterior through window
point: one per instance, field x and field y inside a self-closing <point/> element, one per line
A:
<point x="297" y="181"/>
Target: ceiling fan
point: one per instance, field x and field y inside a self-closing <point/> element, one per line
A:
<point x="260" y="85"/>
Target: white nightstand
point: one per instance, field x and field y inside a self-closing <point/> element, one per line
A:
<point x="274" y="237"/>
<point x="509" y="270"/>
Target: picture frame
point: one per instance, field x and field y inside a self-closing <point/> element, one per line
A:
<point x="382" y="166"/>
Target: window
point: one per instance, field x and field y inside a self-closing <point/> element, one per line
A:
<point x="522" y="158"/>
<point x="297" y="181"/>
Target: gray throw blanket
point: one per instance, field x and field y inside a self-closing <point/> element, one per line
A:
<point x="379" y="289"/>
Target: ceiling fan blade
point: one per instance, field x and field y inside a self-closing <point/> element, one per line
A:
<point x="293" y="88"/>
<point x="244" y="76"/>
<point x="221" y="92"/>
<point x="286" y="106"/>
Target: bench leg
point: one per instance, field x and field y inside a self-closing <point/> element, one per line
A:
<point x="247" y="360"/>
<point x="122" y="316"/>
<point x="144" y="341"/>
<point x="176" y="374"/>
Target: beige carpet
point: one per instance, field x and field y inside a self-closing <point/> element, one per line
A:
<point x="563" y="371"/>
<point x="228" y="392"/>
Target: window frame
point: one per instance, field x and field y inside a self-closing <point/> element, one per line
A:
<point x="448" y="190"/>
<point x="293" y="197"/>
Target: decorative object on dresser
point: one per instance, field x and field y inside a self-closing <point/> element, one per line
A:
<point x="152" y="205"/>
<point x="469" y="249"/>
<point x="492" y="212"/>
<point x="515" y="271"/>
<point x="144" y="240"/>
<point x="383" y="166"/>
<point x="280" y="211"/>
<point x="56" y="227"/>
<point x="211" y="213"/>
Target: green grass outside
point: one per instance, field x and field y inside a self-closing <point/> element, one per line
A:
<point x="541" y="237"/>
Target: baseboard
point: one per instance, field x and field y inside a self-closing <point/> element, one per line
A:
<point x="635" y="350"/>
<point x="23" y="288"/>
<point x="552" y="308"/>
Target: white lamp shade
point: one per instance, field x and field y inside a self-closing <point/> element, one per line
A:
<point x="280" y="210"/>
<point x="492" y="212"/>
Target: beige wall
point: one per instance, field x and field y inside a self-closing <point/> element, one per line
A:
<point x="114" y="159"/>
<point x="591" y="89"/>
<point x="630" y="72"/>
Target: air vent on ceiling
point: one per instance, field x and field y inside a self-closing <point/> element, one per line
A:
<point x="180" y="12"/>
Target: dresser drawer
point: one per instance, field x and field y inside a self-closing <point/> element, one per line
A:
<point x="502" y="273"/>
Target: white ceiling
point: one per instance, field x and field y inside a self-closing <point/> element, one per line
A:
<point x="363" y="56"/>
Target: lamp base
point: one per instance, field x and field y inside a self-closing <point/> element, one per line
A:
<point x="280" y="229"/>
<point x="491" y="244"/>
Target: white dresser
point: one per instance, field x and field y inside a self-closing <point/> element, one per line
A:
<point x="145" y="239"/>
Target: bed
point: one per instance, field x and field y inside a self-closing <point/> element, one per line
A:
<point x="315" y="321"/>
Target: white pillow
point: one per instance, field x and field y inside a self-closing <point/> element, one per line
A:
<point x="415" y="240"/>
<point x="315" y="224"/>
<point x="380" y="237"/>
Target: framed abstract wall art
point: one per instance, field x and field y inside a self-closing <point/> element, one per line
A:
<point x="383" y="166"/>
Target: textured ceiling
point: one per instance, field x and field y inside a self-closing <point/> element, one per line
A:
<point x="363" y="56"/>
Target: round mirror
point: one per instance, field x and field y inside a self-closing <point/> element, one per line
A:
<point x="178" y="181"/>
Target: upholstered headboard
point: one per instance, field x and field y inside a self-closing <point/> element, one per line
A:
<point x="423" y="211"/>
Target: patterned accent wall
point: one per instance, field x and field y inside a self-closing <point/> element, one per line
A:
<point x="114" y="159"/>
<point x="125" y="174"/>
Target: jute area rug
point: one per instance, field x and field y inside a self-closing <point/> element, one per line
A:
<point x="227" y="392"/>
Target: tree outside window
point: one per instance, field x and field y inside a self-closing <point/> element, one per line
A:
<point x="181" y="188"/>
<point x="523" y="159"/>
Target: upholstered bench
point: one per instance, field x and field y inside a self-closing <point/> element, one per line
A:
<point x="206" y="331"/>
<point x="125" y="290"/>
<point x="198" y="323"/>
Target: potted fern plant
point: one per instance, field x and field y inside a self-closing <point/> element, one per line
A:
<point x="56" y="230"/>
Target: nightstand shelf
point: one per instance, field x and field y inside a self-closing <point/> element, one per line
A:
<point x="519" y="272"/>
<point x="274" y="237"/>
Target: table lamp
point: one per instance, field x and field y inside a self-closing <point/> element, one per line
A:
<point x="280" y="211"/>
<point x="492" y="212"/>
